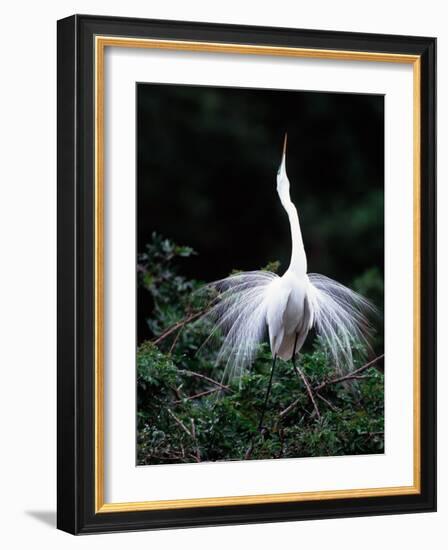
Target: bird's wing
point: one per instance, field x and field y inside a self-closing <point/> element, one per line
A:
<point x="238" y="318"/>
<point x="277" y="300"/>
<point x="304" y="326"/>
<point x="340" y="317"/>
<point x="283" y="342"/>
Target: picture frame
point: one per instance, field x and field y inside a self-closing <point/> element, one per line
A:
<point x="82" y="201"/>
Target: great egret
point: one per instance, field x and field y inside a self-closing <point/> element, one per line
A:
<point x="288" y="306"/>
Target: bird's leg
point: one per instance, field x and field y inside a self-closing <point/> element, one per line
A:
<point x="260" y="425"/>
<point x="301" y="375"/>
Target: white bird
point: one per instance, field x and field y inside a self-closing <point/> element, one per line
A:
<point x="288" y="306"/>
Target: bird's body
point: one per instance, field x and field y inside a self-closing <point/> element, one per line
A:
<point x="288" y="307"/>
<point x="288" y="313"/>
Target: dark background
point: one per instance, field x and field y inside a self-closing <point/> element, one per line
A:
<point x="207" y="161"/>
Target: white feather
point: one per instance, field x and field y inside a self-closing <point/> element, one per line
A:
<point x="248" y="305"/>
<point x="238" y="316"/>
<point x="340" y="319"/>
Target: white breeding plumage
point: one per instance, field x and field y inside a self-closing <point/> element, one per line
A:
<point x="288" y="307"/>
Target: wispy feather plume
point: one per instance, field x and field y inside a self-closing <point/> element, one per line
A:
<point x="238" y="317"/>
<point x="340" y="319"/>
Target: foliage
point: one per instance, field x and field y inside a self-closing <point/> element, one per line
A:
<point x="186" y="415"/>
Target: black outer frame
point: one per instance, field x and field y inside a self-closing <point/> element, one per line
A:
<point x="75" y="385"/>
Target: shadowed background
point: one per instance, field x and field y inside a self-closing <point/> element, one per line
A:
<point x="207" y="161"/>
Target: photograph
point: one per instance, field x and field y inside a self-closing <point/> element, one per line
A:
<point x="246" y="274"/>
<point x="260" y="274"/>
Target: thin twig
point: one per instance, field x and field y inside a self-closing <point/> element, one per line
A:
<point x="204" y="377"/>
<point x="289" y="408"/>
<point x="318" y="388"/>
<point x="176" y="392"/>
<point x="197" y="395"/>
<point x="178" y="325"/>
<point x="179" y="421"/>
<point x="176" y="339"/>
<point x="351" y="376"/>
<point x="327" y="402"/>
<point x="194" y="457"/>
<point x="301" y="375"/>
<point x="178" y="333"/>
<point x="191" y="433"/>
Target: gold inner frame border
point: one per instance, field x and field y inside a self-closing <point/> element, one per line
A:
<point x="100" y="44"/>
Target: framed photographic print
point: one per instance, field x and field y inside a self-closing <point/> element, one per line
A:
<point x="246" y="274"/>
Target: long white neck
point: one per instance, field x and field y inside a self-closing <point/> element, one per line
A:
<point x="298" y="257"/>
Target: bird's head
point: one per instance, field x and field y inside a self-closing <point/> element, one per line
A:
<point x="282" y="178"/>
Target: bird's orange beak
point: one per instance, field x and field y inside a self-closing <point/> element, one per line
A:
<point x="284" y="144"/>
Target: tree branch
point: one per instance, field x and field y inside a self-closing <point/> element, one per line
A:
<point x="355" y="375"/>
<point x="178" y="325"/>
<point x="198" y="395"/>
<point x="301" y="375"/>
<point x="351" y="376"/>
<point x="327" y="402"/>
<point x="179" y="422"/>
<point x="204" y="377"/>
<point x="289" y="408"/>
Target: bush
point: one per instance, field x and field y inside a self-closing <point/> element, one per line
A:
<point x="185" y="414"/>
